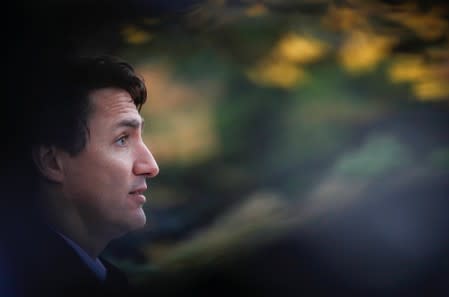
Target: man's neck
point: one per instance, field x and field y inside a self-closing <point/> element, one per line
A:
<point x="65" y="219"/>
<point x="88" y="242"/>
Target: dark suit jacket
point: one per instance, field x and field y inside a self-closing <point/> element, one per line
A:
<point x="41" y="263"/>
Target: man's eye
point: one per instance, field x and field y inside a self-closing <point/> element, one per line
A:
<point x="122" y="140"/>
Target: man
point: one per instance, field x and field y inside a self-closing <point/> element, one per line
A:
<point x="90" y="167"/>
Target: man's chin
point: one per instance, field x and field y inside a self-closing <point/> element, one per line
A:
<point x="134" y="222"/>
<point x="139" y="220"/>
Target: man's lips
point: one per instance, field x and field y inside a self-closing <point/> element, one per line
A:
<point x="139" y="190"/>
<point x="137" y="194"/>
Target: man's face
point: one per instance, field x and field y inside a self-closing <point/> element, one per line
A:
<point x="106" y="180"/>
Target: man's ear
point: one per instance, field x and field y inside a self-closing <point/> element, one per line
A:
<point x="48" y="161"/>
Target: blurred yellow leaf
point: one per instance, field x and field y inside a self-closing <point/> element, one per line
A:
<point x="300" y="49"/>
<point x="428" y="90"/>
<point x="362" y="51"/>
<point x="277" y="73"/>
<point x="408" y="68"/>
<point x="135" y="35"/>
<point x="428" y="26"/>
<point x="430" y="81"/>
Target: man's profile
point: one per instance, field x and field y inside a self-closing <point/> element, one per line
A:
<point x="88" y="172"/>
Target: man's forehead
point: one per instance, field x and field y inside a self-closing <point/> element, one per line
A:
<point x="113" y="102"/>
<point x="114" y="109"/>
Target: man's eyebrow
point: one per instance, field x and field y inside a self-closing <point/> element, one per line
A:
<point x="132" y="123"/>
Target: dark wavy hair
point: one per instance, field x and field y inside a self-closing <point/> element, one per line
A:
<point x="61" y="100"/>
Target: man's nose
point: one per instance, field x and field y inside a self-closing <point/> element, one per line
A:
<point x="145" y="163"/>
